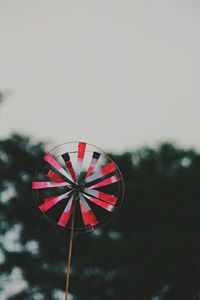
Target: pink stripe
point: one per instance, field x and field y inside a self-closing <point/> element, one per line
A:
<point x="51" y="201"/>
<point x="103" y="196"/>
<point x="107" y="181"/>
<point x="101" y="203"/>
<point x="48" y="184"/>
<point x="52" y="175"/>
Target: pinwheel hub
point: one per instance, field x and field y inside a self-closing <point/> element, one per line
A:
<point x="79" y="187"/>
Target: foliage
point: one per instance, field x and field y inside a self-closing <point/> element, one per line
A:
<point x="150" y="249"/>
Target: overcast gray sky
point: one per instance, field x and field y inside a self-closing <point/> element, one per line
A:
<point x="116" y="73"/>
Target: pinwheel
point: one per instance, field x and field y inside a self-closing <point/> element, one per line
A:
<point x="77" y="187"/>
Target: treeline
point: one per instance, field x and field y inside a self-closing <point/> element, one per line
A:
<point x="150" y="249"/>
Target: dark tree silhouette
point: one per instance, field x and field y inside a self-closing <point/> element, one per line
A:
<point x="1" y="96"/>
<point x="150" y="249"/>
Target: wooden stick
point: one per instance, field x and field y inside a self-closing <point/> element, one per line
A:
<point x="70" y="250"/>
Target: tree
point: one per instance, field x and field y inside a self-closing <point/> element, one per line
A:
<point x="1" y="96"/>
<point x="150" y="249"/>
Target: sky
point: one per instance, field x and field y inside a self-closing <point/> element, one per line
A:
<point x="119" y="74"/>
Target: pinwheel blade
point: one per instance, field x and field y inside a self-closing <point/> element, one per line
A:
<point x="64" y="218"/>
<point x="93" y="163"/>
<point x="52" y="175"/>
<point x="107" y="169"/>
<point x="81" y="154"/>
<point x="100" y="203"/>
<point x="51" y="201"/>
<point x="107" y="181"/>
<point x="69" y="166"/>
<point x="88" y="216"/>
<point x="48" y="184"/>
<point x="53" y="162"/>
<point x="100" y="195"/>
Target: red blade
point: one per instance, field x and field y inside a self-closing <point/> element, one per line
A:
<point x="107" y="169"/>
<point x="93" y="163"/>
<point x="52" y="175"/>
<point x="53" y="162"/>
<point x="87" y="214"/>
<point x="69" y="166"/>
<point x="51" y="201"/>
<point x="102" y="196"/>
<point x="64" y="218"/>
<point x="81" y="154"/>
<point x="48" y="184"/>
<point x="107" y="181"/>
<point x="100" y="203"/>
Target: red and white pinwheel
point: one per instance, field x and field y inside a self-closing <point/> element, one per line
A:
<point x="77" y="177"/>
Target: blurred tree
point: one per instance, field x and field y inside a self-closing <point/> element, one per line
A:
<point x="151" y="249"/>
<point x="1" y="96"/>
